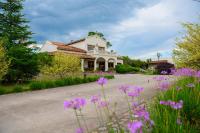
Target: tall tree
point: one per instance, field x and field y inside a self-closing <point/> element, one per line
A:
<point x="13" y="24"/>
<point x="13" y="27"/>
<point x="187" y="51"/>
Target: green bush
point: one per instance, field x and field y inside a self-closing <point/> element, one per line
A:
<point x="49" y="84"/>
<point x="37" y="85"/>
<point x="17" y="89"/>
<point x="126" y="69"/>
<point x="165" y="118"/>
<point x="2" y="91"/>
<point x="59" y="82"/>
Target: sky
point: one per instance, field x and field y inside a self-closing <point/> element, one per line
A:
<point x="135" y="28"/>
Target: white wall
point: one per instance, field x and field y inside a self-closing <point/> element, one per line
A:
<point x="96" y="40"/>
<point x="48" y="47"/>
<point x="81" y="45"/>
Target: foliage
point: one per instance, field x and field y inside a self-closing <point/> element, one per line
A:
<point x="126" y="68"/>
<point x="91" y="33"/>
<point x="135" y="63"/>
<point x="62" y="65"/>
<point x="188" y="46"/>
<point x="164" y="67"/>
<point x="4" y="64"/>
<point x="23" y="64"/>
<point x="37" y="85"/>
<point x="44" y="59"/>
<point x="185" y="120"/>
<point x="13" y="25"/>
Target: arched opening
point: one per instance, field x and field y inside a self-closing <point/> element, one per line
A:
<point x="101" y="64"/>
<point x="111" y="64"/>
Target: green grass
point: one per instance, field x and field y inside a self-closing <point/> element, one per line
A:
<point x="46" y="84"/>
<point x="165" y="117"/>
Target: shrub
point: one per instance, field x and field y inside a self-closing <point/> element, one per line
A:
<point x="49" y="84"/>
<point x="59" y="82"/>
<point x="164" y="67"/>
<point x="62" y="65"/>
<point x="17" y="89"/>
<point x="2" y="91"/>
<point x="126" y="69"/>
<point x="37" y="85"/>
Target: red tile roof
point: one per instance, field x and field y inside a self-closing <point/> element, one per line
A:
<point x="72" y="42"/>
<point x="63" y="46"/>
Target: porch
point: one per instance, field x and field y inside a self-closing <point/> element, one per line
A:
<point x="98" y="64"/>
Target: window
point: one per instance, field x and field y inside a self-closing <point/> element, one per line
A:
<point x="90" y="47"/>
<point x="101" y="48"/>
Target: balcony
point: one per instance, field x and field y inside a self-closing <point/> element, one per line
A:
<point x="102" y="53"/>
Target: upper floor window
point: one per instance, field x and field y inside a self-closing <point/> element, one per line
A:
<point x="101" y="48"/>
<point x="90" y="47"/>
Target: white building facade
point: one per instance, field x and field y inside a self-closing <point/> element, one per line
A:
<point x="92" y="50"/>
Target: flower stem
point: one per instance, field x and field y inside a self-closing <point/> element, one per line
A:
<point x="84" y="121"/>
<point x="78" y="121"/>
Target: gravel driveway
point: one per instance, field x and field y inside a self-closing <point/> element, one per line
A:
<point x="42" y="111"/>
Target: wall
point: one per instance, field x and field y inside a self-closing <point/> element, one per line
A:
<point x="48" y="47"/>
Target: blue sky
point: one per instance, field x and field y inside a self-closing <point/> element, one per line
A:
<point x="137" y="28"/>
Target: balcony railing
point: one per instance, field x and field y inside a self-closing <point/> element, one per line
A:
<point x="101" y="52"/>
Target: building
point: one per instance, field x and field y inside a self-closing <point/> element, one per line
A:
<point x="92" y="50"/>
<point x="154" y="64"/>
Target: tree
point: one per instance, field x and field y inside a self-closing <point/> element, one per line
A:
<point x="23" y="66"/>
<point x="91" y="33"/>
<point x="186" y="53"/>
<point x="13" y="25"/>
<point x="62" y="65"/>
<point x="4" y="63"/>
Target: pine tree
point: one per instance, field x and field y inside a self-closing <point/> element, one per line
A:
<point x="13" y="24"/>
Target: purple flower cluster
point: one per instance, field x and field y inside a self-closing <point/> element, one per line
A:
<point x="76" y="103"/>
<point x="102" y="104"/>
<point x="102" y="81"/>
<point x="136" y="91"/>
<point x="163" y="86"/>
<point x="190" y="85"/>
<point x="184" y="72"/>
<point x="135" y="126"/>
<point x="124" y="88"/>
<point x="159" y="78"/>
<point x="164" y="72"/>
<point x="95" y="98"/>
<point x="79" y="130"/>
<point x="172" y="104"/>
<point x="197" y="74"/>
<point x="142" y="113"/>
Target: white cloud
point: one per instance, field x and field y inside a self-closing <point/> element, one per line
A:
<point x="159" y="21"/>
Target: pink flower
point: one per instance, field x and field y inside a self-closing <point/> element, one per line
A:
<point x="79" y="130"/>
<point x="135" y="126"/>
<point x="159" y="78"/>
<point x="102" y="81"/>
<point x="133" y="94"/>
<point x="124" y="88"/>
<point x="102" y="104"/>
<point x="142" y="113"/>
<point x="191" y="85"/>
<point x="164" y="85"/>
<point x="76" y="103"/>
<point x="184" y="72"/>
<point x="197" y="74"/>
<point x="164" y="72"/>
<point x="172" y="104"/>
<point x="95" y="98"/>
